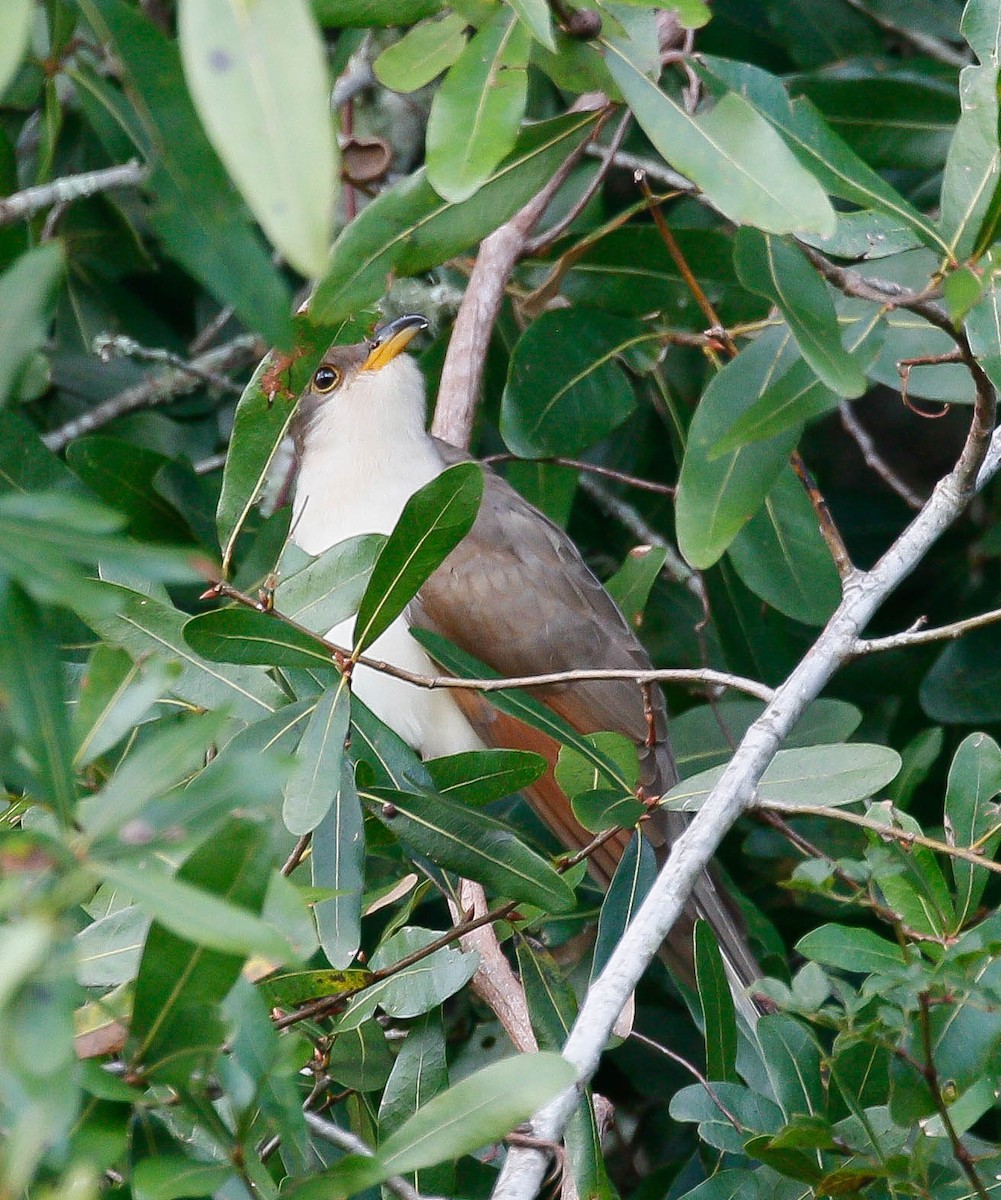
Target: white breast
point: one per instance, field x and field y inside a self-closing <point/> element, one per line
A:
<point x="360" y="465"/>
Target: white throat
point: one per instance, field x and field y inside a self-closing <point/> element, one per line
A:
<point x="365" y="453"/>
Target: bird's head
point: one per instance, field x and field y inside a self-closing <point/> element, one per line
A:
<point x="368" y="383"/>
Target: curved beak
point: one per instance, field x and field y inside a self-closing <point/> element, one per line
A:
<point x="391" y="340"/>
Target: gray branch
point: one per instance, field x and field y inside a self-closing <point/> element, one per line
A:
<point x="158" y="389"/>
<point x="23" y="205"/>
<point x="346" y="1140"/>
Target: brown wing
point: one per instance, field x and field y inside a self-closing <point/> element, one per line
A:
<point x="517" y="595"/>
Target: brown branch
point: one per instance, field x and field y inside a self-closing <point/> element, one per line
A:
<point x="828" y="529"/>
<point x="474" y="322"/>
<point x="577" y="464"/>
<point x="692" y="1069"/>
<point x="930" y="1072"/>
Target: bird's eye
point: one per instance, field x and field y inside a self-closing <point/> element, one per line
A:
<point x="326" y="379"/>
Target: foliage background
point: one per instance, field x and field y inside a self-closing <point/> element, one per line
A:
<point x="148" y="764"/>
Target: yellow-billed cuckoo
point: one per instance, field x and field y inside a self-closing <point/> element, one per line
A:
<point x="515" y="593"/>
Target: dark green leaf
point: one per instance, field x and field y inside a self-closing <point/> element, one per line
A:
<point x="27" y="300"/>
<point x="782" y="557"/>
<point x="329" y="588"/>
<point x="361" y="13"/>
<point x="409" y="228"/>
<point x="172" y="1176"/>
<point x="973" y="168"/>
<point x="632" y="880"/>
<point x="258" y="77"/>
<point x="433" y="522"/>
<point x="25" y="464"/>
<point x="175" y="1020"/>
<point x="963" y="686"/>
<point x="317" y="782"/>
<point x="718" y="1017"/>
<point x="753" y="1110"/>
<point x="565" y="388"/>
<point x="360" y="1058"/>
<point x="244" y="635"/>
<point x="482" y="776"/>
<point x="972" y="813"/>
<point x="718" y="494"/>
<point x="338" y="863"/>
<point x="631" y="585"/>
<point x="858" y="950"/>
<point x="32" y="698"/>
<point x="476" y="113"/>
<point x="732" y="142"/>
<point x="792" y="1060"/>
<point x="471" y="843"/>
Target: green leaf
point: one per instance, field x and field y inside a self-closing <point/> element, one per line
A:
<point x="181" y="982"/>
<point x="858" y="950"/>
<point x="577" y="773"/>
<point x="142" y="625"/>
<point x="481" y="1109"/>
<point x="258" y="77"/>
<point x="962" y="687"/>
<point x="782" y="557"/>
<point x="476" y="112"/>
<point x="337" y="860"/>
<point x="537" y="17"/>
<point x="632" y="583"/>
<point x="244" y="635"/>
<point x="160" y="762"/>
<point x="753" y="1110"/>
<point x="973" y="815"/>
<point x="421" y="54"/>
<point x="973" y="168"/>
<point x="606" y="808"/>
<point x="379" y="13"/>
<point x="15" y="29"/>
<point x="116" y="695"/>
<point x="633" y="878"/>
<point x="482" y="776"/>
<point x="835" y="166"/>
<point x="565" y="388"/>
<point x="316" y="781"/>
<point x="289" y="989"/>
<point x="732" y="154"/>
<point x="32" y="698"/>
<point x="28" y="291"/>
<point x="201" y="220"/>
<point x="360" y="1058"/>
<point x="718" y="1018"/>
<point x="409" y="228"/>
<point x="194" y="914"/>
<point x="172" y="1176"/>
<point x="779" y="272"/>
<point x="814" y="776"/>
<point x="792" y="1060"/>
<point x="718" y="494"/>
<point x="329" y="588"/>
<point x="471" y="843"/>
<point x="433" y="522"/>
<point x="25" y="464"/>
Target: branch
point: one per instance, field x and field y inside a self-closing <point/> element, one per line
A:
<point x="158" y="389"/>
<point x="916" y="636"/>
<point x="925" y="43"/>
<point x="873" y="460"/>
<point x="474" y="322"/>
<point x="353" y="1144"/>
<point x="691" y="854"/>
<point x="579" y="464"/>
<point x="21" y="206"/>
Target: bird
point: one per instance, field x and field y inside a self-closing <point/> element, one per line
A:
<point x="515" y="593"/>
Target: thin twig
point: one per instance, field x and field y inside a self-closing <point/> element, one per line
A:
<point x="905" y="837"/>
<point x="918" y="636"/>
<point x="577" y="464"/>
<point x="345" y="1140"/>
<point x="160" y="388"/>
<point x="828" y="529"/>
<point x="872" y="458"/>
<point x="703" y="676"/>
<point x="925" y="43"/>
<point x="693" y="1070"/>
<point x="21" y="206"/>
<point x="298" y="850"/>
<point x="117" y="345"/>
<point x="539" y="244"/>
<point x="930" y="1072"/>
